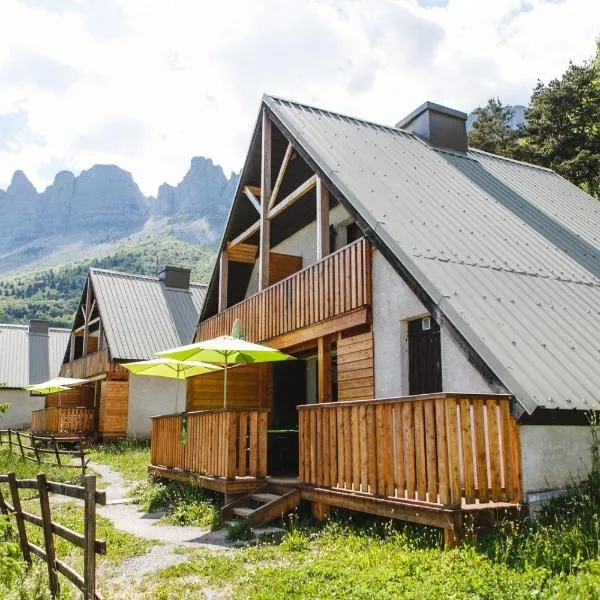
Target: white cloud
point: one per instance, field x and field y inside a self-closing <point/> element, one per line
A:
<point x="147" y="85"/>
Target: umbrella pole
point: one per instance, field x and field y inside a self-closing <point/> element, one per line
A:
<point x="225" y="384"/>
<point x="177" y="397"/>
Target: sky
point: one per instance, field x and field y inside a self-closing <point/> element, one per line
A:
<point x="147" y="84"/>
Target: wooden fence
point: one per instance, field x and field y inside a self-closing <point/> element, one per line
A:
<point x="225" y="443"/>
<point x="338" y="284"/>
<point x="53" y="449"/>
<point x="58" y="419"/>
<point x="438" y="448"/>
<point x="87" y="541"/>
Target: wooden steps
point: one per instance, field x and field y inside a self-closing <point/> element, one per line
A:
<point x="262" y="505"/>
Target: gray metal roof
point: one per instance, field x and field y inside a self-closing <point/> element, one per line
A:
<point x="509" y="252"/>
<point x="141" y="316"/>
<point x="30" y="358"/>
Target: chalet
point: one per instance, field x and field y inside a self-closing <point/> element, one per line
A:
<point x="28" y="354"/>
<point x="120" y="318"/>
<point x="444" y="302"/>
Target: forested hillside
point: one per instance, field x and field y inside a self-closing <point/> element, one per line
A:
<point x="53" y="294"/>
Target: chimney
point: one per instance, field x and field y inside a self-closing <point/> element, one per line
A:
<point x="438" y="125"/>
<point x="39" y="357"/>
<point x="175" y="277"/>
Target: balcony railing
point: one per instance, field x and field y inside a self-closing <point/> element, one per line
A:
<point x="62" y="419"/>
<point x="443" y="449"/>
<point x="338" y="284"/>
<point x="225" y="443"/>
<point x="90" y="365"/>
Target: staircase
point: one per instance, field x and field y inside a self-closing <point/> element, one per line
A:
<point x="264" y="504"/>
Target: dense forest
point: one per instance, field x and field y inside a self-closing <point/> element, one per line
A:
<point x="53" y="294"/>
<point x="561" y="129"/>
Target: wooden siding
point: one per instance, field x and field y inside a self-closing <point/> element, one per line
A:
<point x="62" y="420"/>
<point x="93" y="364"/>
<point x="444" y="449"/>
<point x="218" y="443"/>
<point x="282" y="266"/>
<point x="338" y="284"/>
<point x="72" y="397"/>
<point x="114" y="397"/>
<point x="355" y="366"/>
<point x="247" y="387"/>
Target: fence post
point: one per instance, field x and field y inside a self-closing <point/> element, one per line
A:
<point x="20" y="444"/>
<point x="14" y="492"/>
<point x="89" y="534"/>
<point x="10" y="440"/>
<point x="55" y="444"/>
<point x="82" y="456"/>
<point x="3" y="508"/>
<point x="35" y="448"/>
<point x="48" y="536"/>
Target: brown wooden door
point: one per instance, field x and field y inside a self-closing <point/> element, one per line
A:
<point x="424" y="356"/>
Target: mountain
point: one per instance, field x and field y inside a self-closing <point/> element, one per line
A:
<point x="518" y="117"/>
<point x="79" y="215"/>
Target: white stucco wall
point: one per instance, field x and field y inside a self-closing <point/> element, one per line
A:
<point x="151" y="396"/>
<point x="394" y="304"/>
<point x="21" y="406"/>
<point x="303" y="243"/>
<point x="554" y="456"/>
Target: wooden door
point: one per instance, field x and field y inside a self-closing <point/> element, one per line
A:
<point x="424" y="356"/>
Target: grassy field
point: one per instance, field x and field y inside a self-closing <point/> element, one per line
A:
<point x="130" y="457"/>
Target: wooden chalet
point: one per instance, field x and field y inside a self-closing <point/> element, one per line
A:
<point x="120" y="318"/>
<point x="438" y="300"/>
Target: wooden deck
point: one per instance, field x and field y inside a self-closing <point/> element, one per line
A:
<point x="62" y="421"/>
<point x="96" y="363"/>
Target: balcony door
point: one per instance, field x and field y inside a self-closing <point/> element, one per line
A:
<point x="424" y="356"/>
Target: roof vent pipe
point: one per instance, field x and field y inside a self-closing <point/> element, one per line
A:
<point x="438" y="125"/>
<point x="175" y="277"/>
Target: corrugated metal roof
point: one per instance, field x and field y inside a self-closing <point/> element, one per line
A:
<point x="509" y="252"/>
<point x="23" y="363"/>
<point x="140" y="316"/>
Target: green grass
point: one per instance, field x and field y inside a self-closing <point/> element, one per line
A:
<point x="130" y="457"/>
<point x="25" y="469"/>
<point x="185" y="504"/>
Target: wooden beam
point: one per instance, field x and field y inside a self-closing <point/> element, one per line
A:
<point x="72" y="347"/>
<point x="244" y="253"/>
<point x="252" y="198"/>
<point x="88" y="303"/>
<point x="245" y="234"/>
<point x="300" y="191"/>
<point x="322" y="220"/>
<point x="324" y="369"/>
<point x="255" y="190"/>
<point x="284" y="163"/>
<point x="223" y="280"/>
<point x="265" y="195"/>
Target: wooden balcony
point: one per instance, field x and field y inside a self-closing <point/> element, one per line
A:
<point x="337" y="285"/>
<point x="95" y="363"/>
<point x="63" y="420"/>
<point x="446" y="450"/>
<point x="224" y="449"/>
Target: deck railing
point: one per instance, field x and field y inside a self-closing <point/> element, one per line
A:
<point x="90" y="365"/>
<point x="62" y="419"/>
<point x="224" y="443"/>
<point x="338" y="284"/>
<point x="439" y="448"/>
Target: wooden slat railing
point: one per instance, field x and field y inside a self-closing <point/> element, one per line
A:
<point x="62" y="419"/>
<point x="440" y="448"/>
<point x="90" y="365"/>
<point x="225" y="443"/>
<point x="338" y="284"/>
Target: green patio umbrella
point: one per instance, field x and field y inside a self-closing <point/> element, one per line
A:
<point x="171" y="369"/>
<point x="52" y="386"/>
<point x="226" y="351"/>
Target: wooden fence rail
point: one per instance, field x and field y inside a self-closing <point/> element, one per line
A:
<point x="443" y="449"/>
<point x="39" y="446"/>
<point x="225" y="443"/>
<point x="338" y="284"/>
<point x="87" y="541"/>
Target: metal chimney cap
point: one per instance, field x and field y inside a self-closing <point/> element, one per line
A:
<point x="433" y="106"/>
<point x="39" y="326"/>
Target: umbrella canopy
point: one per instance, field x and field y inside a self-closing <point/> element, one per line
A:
<point x="170" y="368"/>
<point x="58" y="384"/>
<point x="226" y="350"/>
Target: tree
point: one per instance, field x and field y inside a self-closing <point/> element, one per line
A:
<point x="491" y="129"/>
<point x="563" y="125"/>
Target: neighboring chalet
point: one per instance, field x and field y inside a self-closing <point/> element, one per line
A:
<point x="121" y="318"/>
<point x="445" y="303"/>
<point x="28" y="354"/>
